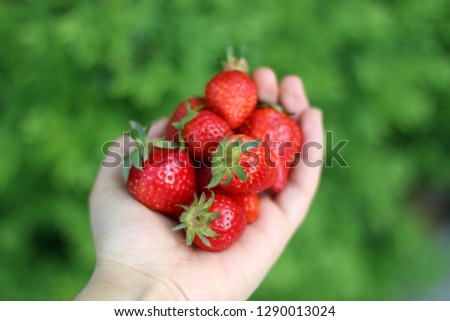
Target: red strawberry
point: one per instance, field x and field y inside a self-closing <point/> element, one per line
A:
<point x="204" y="177"/>
<point x="250" y="204"/>
<point x="160" y="179"/>
<point x="231" y="94"/>
<point x="213" y="222"/>
<point x="285" y="138"/>
<point x="242" y="166"/>
<point x="180" y="113"/>
<point x="202" y="131"/>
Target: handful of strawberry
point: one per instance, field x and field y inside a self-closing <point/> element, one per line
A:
<point x="218" y="154"/>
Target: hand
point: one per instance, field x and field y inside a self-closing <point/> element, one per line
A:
<point x="139" y="257"/>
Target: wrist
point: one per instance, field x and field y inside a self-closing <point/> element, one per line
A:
<point x="114" y="281"/>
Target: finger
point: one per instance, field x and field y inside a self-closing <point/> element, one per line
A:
<point x="158" y="128"/>
<point x="110" y="174"/>
<point x="265" y="239"/>
<point x="295" y="199"/>
<point x="266" y="85"/>
<point x="292" y="95"/>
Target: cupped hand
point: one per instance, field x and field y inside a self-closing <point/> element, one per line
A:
<point x="140" y="257"/>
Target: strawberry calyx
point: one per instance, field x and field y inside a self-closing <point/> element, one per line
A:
<point x="196" y="220"/>
<point x="191" y="113"/>
<point x="225" y="161"/>
<point x="235" y="62"/>
<point x="144" y="145"/>
<point x="278" y="108"/>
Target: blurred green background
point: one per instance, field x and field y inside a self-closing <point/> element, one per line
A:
<point x="72" y="73"/>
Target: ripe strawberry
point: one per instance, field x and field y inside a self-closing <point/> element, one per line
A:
<point x="161" y="179"/>
<point x="271" y="125"/>
<point x="240" y="165"/>
<point x="202" y="131"/>
<point x="180" y="113"/>
<point x="231" y="94"/>
<point x="213" y="222"/>
<point x="204" y="177"/>
<point x="250" y="204"/>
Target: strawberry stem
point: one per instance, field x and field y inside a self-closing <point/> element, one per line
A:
<point x="233" y="62"/>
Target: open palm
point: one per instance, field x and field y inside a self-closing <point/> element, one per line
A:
<point x="139" y="257"/>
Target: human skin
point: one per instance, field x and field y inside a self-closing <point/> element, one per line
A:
<point x="140" y="258"/>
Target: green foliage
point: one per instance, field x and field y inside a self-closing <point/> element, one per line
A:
<point x="72" y="73"/>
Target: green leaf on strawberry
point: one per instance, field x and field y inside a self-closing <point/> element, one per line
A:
<point x="226" y="160"/>
<point x="213" y="222"/>
<point x="197" y="219"/>
<point x="191" y="113"/>
<point x="241" y="165"/>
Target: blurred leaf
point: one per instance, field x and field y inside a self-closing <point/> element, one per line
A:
<point x="72" y="73"/>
